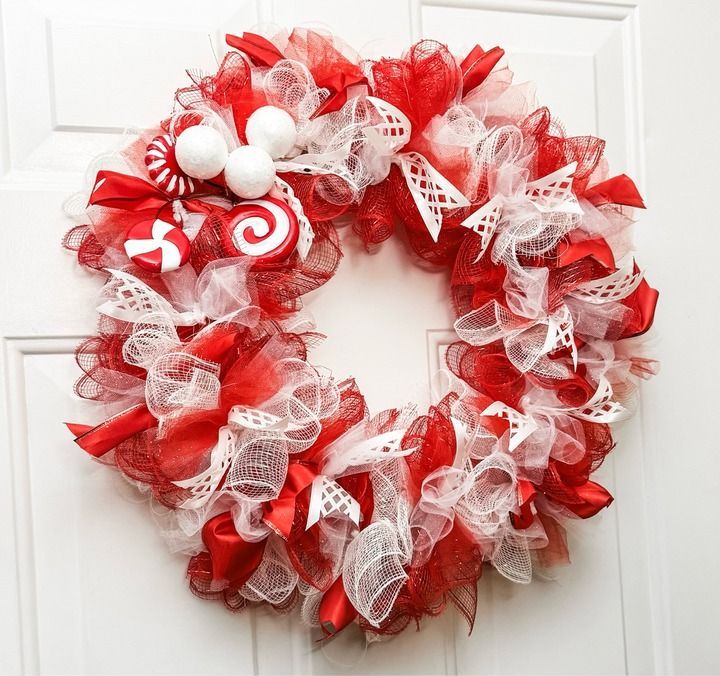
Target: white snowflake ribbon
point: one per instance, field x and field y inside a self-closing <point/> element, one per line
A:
<point x="431" y="191"/>
<point x="600" y="408"/>
<point x="219" y="293"/>
<point x="253" y="448"/>
<point x="329" y="498"/>
<point x="549" y="194"/>
<point x="527" y="342"/>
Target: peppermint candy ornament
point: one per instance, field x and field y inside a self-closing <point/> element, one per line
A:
<point x="163" y="167"/>
<point x="157" y="246"/>
<point x="264" y="228"/>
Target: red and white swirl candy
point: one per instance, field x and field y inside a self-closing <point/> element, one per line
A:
<point x="157" y="246"/>
<point x="163" y="167"/>
<point x="265" y="228"/>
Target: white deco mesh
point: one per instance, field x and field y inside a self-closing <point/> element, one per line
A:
<point x="512" y="558"/>
<point x="178" y="381"/>
<point x="259" y="469"/>
<point x="486" y="505"/>
<point x="275" y="579"/>
<point x="290" y="86"/>
<point x="151" y="336"/>
<point x="373" y="573"/>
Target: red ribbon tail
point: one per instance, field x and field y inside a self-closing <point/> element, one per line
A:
<point x="259" y="49"/>
<point x="336" y="612"/>
<point x="107" y="435"/>
<point x="616" y="190"/>
<point x="594" y="498"/>
<point x="477" y="65"/>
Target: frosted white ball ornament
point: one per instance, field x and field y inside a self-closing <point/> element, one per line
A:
<point x="273" y="130"/>
<point x="201" y="151"/>
<point x="249" y="172"/>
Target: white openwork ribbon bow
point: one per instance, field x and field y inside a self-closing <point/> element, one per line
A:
<point x="431" y="191"/>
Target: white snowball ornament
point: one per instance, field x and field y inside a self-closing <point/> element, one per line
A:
<point x="201" y="151"/>
<point x="249" y="172"/>
<point x="273" y="130"/>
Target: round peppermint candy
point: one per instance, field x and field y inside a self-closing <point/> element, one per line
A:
<point x="157" y="246"/>
<point x="266" y="228"/>
<point x="163" y="168"/>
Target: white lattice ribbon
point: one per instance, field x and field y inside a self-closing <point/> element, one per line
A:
<point x="527" y="341"/>
<point x="431" y="191"/>
<point x="546" y="195"/>
<point x="620" y="284"/>
<point x="253" y="448"/>
<point x="328" y="498"/>
<point x="284" y="191"/>
<point x="600" y="408"/>
<point x="219" y="293"/>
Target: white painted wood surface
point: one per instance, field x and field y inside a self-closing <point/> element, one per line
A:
<point x="86" y="585"/>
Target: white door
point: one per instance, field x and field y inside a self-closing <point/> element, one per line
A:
<point x="86" y="585"/>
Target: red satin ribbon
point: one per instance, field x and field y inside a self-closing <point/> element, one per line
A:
<point x="477" y="65"/>
<point x="99" y="440"/>
<point x="616" y="190"/>
<point x="526" y="495"/>
<point x="130" y="193"/>
<point x="232" y="559"/>
<point x="335" y="612"/>
<point x="260" y="50"/>
<point x="280" y="512"/>
<point x="643" y="302"/>
<point x="597" y="248"/>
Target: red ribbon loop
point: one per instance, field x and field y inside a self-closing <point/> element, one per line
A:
<point x="260" y="50"/>
<point x="336" y="612"/>
<point x="232" y="559"/>
<point x="477" y="65"/>
<point x="130" y="193"/>
<point x="616" y="190"/>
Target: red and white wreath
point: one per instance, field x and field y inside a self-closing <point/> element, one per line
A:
<point x="278" y="483"/>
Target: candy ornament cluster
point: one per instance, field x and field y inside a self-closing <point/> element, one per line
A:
<point x="269" y="472"/>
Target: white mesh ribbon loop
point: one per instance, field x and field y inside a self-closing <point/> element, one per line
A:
<point x="177" y="381"/>
<point x="373" y="572"/>
<point x="275" y="579"/>
<point x="526" y="342"/>
<point x="528" y="220"/>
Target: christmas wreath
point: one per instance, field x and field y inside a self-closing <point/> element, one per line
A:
<point x="273" y="476"/>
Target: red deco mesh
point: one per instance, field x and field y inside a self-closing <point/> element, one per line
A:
<point x="82" y="241"/>
<point x="451" y="574"/>
<point x="488" y="370"/>
<point x="423" y="84"/>
<point x="553" y="150"/>
<point x="433" y="438"/>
